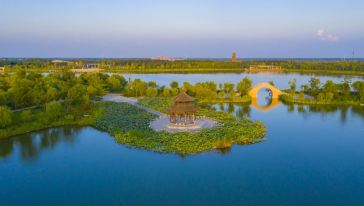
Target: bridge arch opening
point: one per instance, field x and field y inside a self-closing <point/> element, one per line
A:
<point x="270" y="97"/>
<point x="264" y="97"/>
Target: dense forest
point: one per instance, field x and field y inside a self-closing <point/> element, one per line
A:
<point x="147" y="65"/>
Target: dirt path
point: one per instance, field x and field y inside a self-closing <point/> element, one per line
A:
<point x="131" y="101"/>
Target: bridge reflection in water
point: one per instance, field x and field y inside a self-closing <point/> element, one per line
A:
<point x="265" y="108"/>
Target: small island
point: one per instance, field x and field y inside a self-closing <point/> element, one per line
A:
<point x="143" y="124"/>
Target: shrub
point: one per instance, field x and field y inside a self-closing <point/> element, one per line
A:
<point x="54" y="110"/>
<point x="152" y="92"/>
<point x="6" y="116"/>
<point x="26" y="116"/>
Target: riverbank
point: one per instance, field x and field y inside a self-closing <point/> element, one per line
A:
<point x="288" y="100"/>
<point x="37" y="121"/>
<point x="242" y="100"/>
<point x="200" y="71"/>
<point x="323" y="72"/>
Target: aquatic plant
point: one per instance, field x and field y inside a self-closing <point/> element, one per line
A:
<point x="129" y="126"/>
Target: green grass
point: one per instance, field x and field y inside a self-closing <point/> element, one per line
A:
<point x="157" y="103"/>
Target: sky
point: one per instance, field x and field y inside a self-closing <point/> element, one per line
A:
<point x="182" y="28"/>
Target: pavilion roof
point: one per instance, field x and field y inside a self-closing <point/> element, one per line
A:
<point x="183" y="97"/>
<point x="182" y="108"/>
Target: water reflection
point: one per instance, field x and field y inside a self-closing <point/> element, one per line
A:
<point x="244" y="110"/>
<point x="30" y="146"/>
<point x="239" y="110"/>
<point x="326" y="110"/>
<point x="270" y="104"/>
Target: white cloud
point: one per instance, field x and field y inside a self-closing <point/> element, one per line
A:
<point x="324" y="36"/>
<point x="320" y="32"/>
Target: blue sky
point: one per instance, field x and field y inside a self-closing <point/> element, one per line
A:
<point x="181" y="28"/>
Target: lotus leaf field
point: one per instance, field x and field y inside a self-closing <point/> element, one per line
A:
<point x="130" y="126"/>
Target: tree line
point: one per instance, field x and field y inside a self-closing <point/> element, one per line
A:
<point x="145" y="65"/>
<point x="329" y="91"/>
<point x="55" y="93"/>
<point x="201" y="90"/>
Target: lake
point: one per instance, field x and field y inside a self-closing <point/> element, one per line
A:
<point x="280" y="79"/>
<point x="312" y="156"/>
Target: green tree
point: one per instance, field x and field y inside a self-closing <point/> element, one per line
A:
<point x="244" y="85"/>
<point x="301" y="96"/>
<point x="314" y="86"/>
<point x="152" y="92"/>
<point x="292" y="87"/>
<point x="91" y="91"/>
<point x="75" y="95"/>
<point x="26" y="116"/>
<point x="174" y="91"/>
<point x="6" y="116"/>
<point x="174" y="84"/>
<point x="321" y="97"/>
<point x="53" y="110"/>
<point x="228" y="87"/>
<point x="204" y="92"/>
<point x="51" y="95"/>
<point x="188" y="88"/>
<point x="152" y="84"/>
<point x="221" y="95"/>
<point x="139" y="87"/>
<point x="359" y="89"/>
<point x="345" y="90"/>
<point x="3" y="97"/>
<point x="330" y="87"/>
<point x="329" y="96"/>
<point x="114" y="83"/>
<point x="166" y="92"/>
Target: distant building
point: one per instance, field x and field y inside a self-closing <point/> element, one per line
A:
<point x="165" y="58"/>
<point x="88" y="68"/>
<point x="257" y="68"/>
<point x="91" y="66"/>
<point x="57" y="61"/>
<point x="233" y="57"/>
<point x="61" y="62"/>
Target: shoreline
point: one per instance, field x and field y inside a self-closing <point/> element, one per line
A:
<point x="206" y="71"/>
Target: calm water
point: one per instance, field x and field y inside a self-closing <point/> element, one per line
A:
<point x="312" y="156"/>
<point x="280" y="79"/>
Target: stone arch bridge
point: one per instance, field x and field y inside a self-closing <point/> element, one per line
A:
<point x="275" y="92"/>
<point x="253" y="92"/>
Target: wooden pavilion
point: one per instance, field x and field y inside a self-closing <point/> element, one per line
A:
<point x="183" y="111"/>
